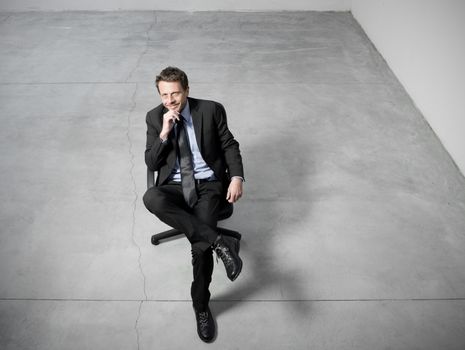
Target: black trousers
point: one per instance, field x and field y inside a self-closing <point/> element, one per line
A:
<point x="198" y="224"/>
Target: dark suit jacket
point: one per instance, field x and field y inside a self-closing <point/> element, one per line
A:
<point x="217" y="145"/>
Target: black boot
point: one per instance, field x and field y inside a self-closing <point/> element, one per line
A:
<point x="227" y="248"/>
<point x="205" y="325"/>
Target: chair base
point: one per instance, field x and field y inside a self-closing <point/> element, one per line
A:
<point x="173" y="232"/>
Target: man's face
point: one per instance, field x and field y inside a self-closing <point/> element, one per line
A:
<point x="173" y="96"/>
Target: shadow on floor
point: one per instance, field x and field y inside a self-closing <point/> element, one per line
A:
<point x="278" y="166"/>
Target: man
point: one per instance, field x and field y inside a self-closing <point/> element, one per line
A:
<point x="199" y="165"/>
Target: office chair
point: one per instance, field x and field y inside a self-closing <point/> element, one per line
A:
<point x="226" y="210"/>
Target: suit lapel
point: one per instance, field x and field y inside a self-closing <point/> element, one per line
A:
<point x="197" y="119"/>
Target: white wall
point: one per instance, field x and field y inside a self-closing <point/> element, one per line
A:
<point x="423" y="41"/>
<point x="179" y="5"/>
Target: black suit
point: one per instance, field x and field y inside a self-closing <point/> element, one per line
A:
<point x="216" y="143"/>
<point x="221" y="152"/>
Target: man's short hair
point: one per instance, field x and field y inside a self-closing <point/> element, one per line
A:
<point x="172" y="74"/>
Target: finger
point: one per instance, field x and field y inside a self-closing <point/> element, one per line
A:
<point x="176" y="113"/>
<point x="176" y="116"/>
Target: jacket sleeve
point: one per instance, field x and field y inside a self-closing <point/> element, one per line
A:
<point x="156" y="151"/>
<point x="229" y="145"/>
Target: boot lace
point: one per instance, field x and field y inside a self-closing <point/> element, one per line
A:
<point x="203" y="319"/>
<point x="222" y="252"/>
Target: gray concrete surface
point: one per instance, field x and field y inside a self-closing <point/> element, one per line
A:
<point x="353" y="218"/>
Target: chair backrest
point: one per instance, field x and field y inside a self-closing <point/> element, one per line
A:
<point x="150" y="178"/>
<point x="226" y="208"/>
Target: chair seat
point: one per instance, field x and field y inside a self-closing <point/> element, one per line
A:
<point x="226" y="210"/>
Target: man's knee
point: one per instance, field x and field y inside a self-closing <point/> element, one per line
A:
<point x="153" y="200"/>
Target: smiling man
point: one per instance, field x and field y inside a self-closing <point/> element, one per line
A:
<point x="199" y="164"/>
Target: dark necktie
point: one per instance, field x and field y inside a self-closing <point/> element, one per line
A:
<point x="185" y="163"/>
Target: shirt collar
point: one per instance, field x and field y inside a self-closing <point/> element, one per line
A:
<point x="186" y="112"/>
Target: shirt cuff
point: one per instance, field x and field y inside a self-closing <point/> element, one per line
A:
<point x="238" y="177"/>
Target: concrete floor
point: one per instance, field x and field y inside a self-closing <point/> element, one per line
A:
<point x="353" y="218"/>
